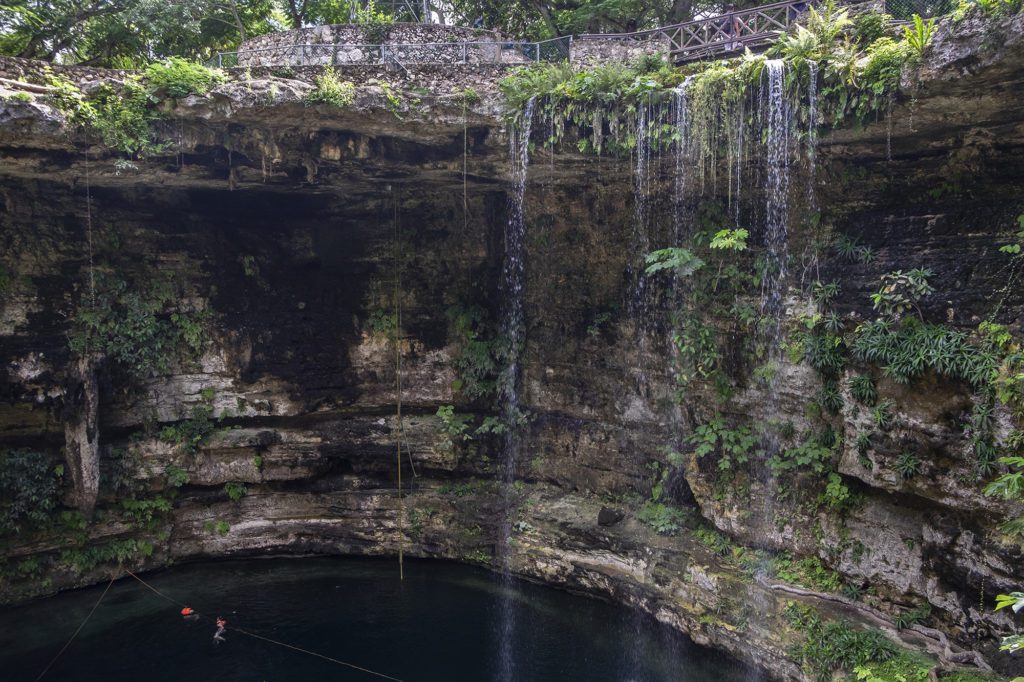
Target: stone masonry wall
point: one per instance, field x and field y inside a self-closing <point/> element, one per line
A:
<point x="602" y="49"/>
<point x="408" y="43"/>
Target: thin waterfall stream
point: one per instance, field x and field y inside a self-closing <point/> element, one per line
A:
<point x="777" y="119"/>
<point x="513" y="270"/>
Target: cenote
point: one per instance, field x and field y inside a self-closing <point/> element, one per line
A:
<point x="710" y="312"/>
<point x="439" y="623"/>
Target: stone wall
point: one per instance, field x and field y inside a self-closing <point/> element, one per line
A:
<point x="408" y="43"/>
<point x="602" y="49"/>
<point x="33" y="71"/>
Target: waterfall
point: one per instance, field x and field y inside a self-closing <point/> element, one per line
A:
<point x="737" y="153"/>
<point x="640" y="243"/>
<point x="777" y="119"/>
<point x="683" y="164"/>
<point x="512" y="275"/>
<point x="641" y="207"/>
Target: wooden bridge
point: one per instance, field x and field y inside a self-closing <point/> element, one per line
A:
<point x="725" y="34"/>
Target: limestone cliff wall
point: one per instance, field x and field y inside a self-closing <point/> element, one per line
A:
<point x="283" y="228"/>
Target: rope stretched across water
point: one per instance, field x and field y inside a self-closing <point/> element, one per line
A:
<point x="68" y="643"/>
<point x="313" y="653"/>
<point x="265" y="639"/>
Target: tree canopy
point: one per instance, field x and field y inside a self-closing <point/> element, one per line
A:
<point x="130" y="33"/>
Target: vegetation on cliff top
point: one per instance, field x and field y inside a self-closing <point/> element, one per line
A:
<point x="860" y="63"/>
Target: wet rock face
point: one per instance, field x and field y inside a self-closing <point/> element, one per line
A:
<point x="289" y="228"/>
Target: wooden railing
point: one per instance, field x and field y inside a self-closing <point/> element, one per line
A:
<point x="725" y="33"/>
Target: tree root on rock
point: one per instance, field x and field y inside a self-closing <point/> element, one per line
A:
<point x="951" y="658"/>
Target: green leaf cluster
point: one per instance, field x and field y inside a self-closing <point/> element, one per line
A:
<point x="478" y="359"/>
<point x="663" y="518"/>
<point x="235" y="490"/>
<point x="137" y="327"/>
<point x="906" y="350"/>
<point x="29" y="490"/>
<point x="813" y="454"/>
<point x="832" y="645"/>
<point x="330" y="90"/>
<point x="191" y="433"/>
<point x="731" y="446"/>
<point x="176" y="78"/>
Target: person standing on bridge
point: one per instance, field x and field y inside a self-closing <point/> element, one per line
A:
<point x="736" y="29"/>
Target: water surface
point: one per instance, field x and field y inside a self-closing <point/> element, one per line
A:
<point x="441" y="623"/>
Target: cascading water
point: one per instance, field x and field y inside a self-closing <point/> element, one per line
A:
<point x="683" y="166"/>
<point x="641" y="206"/>
<point x="777" y="119"/>
<point x="512" y="276"/>
<point x="737" y="153"/>
<point x="640" y="243"/>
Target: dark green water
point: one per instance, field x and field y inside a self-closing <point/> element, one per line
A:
<point x="440" y="624"/>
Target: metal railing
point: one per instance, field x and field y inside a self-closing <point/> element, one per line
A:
<point x="905" y="9"/>
<point x="341" y="54"/>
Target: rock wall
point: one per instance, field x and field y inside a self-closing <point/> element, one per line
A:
<point x="283" y="228"/>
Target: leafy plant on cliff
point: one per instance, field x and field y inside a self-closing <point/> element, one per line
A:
<point x="479" y="352"/>
<point x="817" y="33"/>
<point x="330" y="90"/>
<point x="191" y="433"/>
<point x="376" y="23"/>
<point x="85" y="559"/>
<point x="906" y="350"/>
<point x="123" y="117"/>
<point x="864" y="390"/>
<point x="732" y="446"/>
<point x="455" y="427"/>
<point x="139" y="328"/>
<point x="910" y="617"/>
<point x="908" y="465"/>
<point x="176" y="78"/>
<point x="814" y="454"/>
<point x="145" y="513"/>
<point x="901" y="292"/>
<point x="664" y="519"/>
<point x="870" y="26"/>
<point x="832" y="645"/>
<point x="1014" y="248"/>
<point x="678" y="260"/>
<point x="1015" y="601"/>
<point x="921" y="35"/>
<point x="29" y="490"/>
<point x="886" y="59"/>
<point x="235" y="490"/>
<point x="882" y="415"/>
